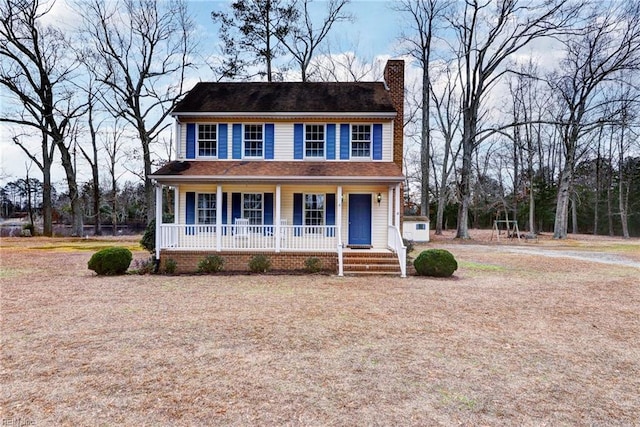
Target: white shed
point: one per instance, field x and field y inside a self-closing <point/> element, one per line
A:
<point x="416" y="228"/>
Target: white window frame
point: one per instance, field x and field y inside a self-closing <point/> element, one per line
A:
<point x="245" y="141"/>
<point x="323" y="141"/>
<point x="213" y="141"/>
<point x="311" y="228"/>
<point x="352" y="141"/>
<point x="244" y="211"/>
<point x="212" y="200"/>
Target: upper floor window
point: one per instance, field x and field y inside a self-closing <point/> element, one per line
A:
<point x="206" y="209"/>
<point x="361" y="141"/>
<point x="314" y="140"/>
<point x="252" y="208"/>
<point x="207" y="140"/>
<point x="253" y="140"/>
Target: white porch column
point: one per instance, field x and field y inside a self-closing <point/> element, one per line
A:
<point x="158" y="219"/>
<point x="390" y="204"/>
<point x="219" y="218"/>
<point x="278" y="230"/>
<point x="176" y="204"/>
<point x="339" y="214"/>
<point x="397" y="208"/>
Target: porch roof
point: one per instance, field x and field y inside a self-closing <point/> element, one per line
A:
<point x="273" y="171"/>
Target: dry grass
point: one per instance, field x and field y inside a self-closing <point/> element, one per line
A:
<point x="510" y="340"/>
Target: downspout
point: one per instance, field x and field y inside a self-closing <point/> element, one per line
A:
<point x="158" y="221"/>
<point x="339" y="230"/>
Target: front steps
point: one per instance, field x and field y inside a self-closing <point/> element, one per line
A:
<point x="366" y="262"/>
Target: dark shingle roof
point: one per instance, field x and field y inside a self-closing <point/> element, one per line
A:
<point x="255" y="97"/>
<point x="297" y="171"/>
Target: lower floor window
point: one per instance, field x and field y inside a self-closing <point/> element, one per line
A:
<point x="206" y="208"/>
<point x="314" y="209"/>
<point x="252" y="208"/>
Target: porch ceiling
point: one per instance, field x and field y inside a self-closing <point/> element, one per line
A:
<point x="274" y="171"/>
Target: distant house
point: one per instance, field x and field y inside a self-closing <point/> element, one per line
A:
<point x="290" y="170"/>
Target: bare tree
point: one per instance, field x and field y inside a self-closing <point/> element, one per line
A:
<point x="44" y="162"/>
<point x="423" y="18"/>
<point x="37" y="70"/>
<point x="112" y="142"/>
<point x="489" y="33"/>
<point x="143" y="50"/>
<point x="608" y="45"/>
<point x="447" y="117"/>
<point x="303" y="38"/>
<point x="91" y="155"/>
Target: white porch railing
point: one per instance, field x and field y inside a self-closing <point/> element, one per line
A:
<point x="249" y="237"/>
<point x="397" y="245"/>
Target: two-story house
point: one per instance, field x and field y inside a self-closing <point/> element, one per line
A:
<point x="290" y="170"/>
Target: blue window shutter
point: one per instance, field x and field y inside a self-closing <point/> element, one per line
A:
<point x="190" y="216"/>
<point x="330" y="203"/>
<point x="268" y="141"/>
<point x="344" y="141"/>
<point x="236" y="206"/>
<point x="377" y="141"/>
<point x="191" y="140"/>
<point x="225" y="207"/>
<point x="331" y="142"/>
<point x="268" y="208"/>
<point x="236" y="140"/>
<point x="298" y="141"/>
<point x="225" y="218"/>
<point x="268" y="213"/>
<point x="191" y="207"/>
<point x="222" y="141"/>
<point x="297" y="212"/>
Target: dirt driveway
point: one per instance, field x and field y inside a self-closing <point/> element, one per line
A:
<point x="514" y="338"/>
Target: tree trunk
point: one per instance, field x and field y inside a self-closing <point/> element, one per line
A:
<point x="621" y="192"/>
<point x="562" y="204"/>
<point x="77" y="228"/>
<point x="425" y="142"/>
<point x="465" y="174"/>
<point x="574" y="215"/>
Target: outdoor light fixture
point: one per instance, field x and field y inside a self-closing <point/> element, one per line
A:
<point x="379" y="198"/>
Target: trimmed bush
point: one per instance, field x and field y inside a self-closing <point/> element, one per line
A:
<point x="435" y="262"/>
<point x="210" y="264"/>
<point x="259" y="264"/>
<point x="110" y="261"/>
<point x="313" y="265"/>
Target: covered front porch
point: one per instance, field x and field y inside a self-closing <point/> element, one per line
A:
<point x="281" y="218"/>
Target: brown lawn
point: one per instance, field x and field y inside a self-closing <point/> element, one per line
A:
<point x="512" y="339"/>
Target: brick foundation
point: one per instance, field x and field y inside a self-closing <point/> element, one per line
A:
<point x="235" y="261"/>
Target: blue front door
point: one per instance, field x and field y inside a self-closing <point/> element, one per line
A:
<point x="360" y="219"/>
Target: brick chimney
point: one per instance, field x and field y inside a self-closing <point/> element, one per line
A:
<point x="394" y="78"/>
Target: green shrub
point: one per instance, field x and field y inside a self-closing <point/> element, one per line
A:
<point x="170" y="266"/>
<point x="148" y="240"/>
<point x="435" y="262"/>
<point x="313" y="265"/>
<point x="110" y="261"/>
<point x="259" y="264"/>
<point x="211" y="264"/>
